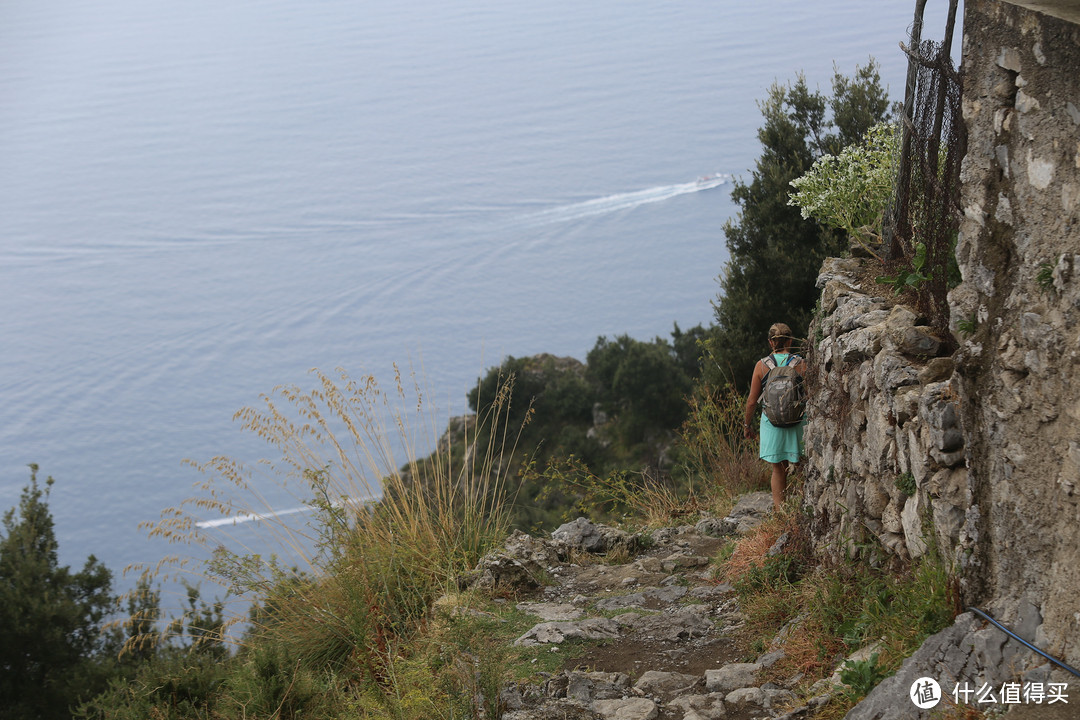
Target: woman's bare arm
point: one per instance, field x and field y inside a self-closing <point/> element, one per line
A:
<point x="752" y="399"/>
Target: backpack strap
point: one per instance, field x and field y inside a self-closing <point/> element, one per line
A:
<point x="791" y="361"/>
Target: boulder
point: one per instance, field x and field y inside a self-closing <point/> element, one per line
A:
<point x="745" y="696"/>
<point x="526" y="548"/>
<point x="583" y="534"/>
<point x="666" y="685"/>
<point x="749" y="512"/>
<point x="626" y="709"/>
<point x="587" y="687"/>
<point x="503" y="574"/>
<point x="732" y="677"/>
<point x="682" y="625"/>
<point x="713" y="527"/>
<point x="700" y="707"/>
<point x="557" y="632"/>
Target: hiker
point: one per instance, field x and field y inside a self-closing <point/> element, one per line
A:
<point x="782" y="443"/>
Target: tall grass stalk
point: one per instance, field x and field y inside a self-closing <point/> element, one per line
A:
<point x="713" y="448"/>
<point x="386" y="532"/>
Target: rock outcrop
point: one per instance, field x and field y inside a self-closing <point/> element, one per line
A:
<point x="1017" y="314"/>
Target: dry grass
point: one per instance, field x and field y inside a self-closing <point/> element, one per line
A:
<point x="750" y="550"/>
<point x="721" y="462"/>
<point x="387" y="531"/>
<point x="827" y="611"/>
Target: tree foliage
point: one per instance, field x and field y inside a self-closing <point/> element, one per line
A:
<point x="616" y="412"/>
<point x="51" y="617"/>
<point x="775" y="253"/>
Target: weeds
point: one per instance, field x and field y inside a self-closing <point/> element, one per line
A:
<point x="827" y="611"/>
<point x="360" y="601"/>
<point x="713" y="449"/>
<point x="860" y="677"/>
<point x="906" y="484"/>
<point x="618" y="496"/>
<point x="1044" y="278"/>
<point x="912" y="276"/>
<point x="968" y="326"/>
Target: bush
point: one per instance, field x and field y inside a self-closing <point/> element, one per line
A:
<point x="849" y="191"/>
<point x="374" y="569"/>
<point x="775" y="253"/>
<point x="837" y="608"/>
<point x="712" y="451"/>
<point x="54" y="648"/>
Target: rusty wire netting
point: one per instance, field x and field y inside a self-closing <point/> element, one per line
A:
<point x="921" y="226"/>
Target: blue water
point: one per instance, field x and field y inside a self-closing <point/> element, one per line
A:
<point x="202" y="200"/>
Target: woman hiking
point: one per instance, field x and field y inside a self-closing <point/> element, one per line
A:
<point x="780" y="446"/>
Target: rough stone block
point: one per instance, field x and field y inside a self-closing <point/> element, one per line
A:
<point x="745" y="696"/>
<point x="858" y="345"/>
<point x="666" y="685"/>
<point x="557" y="632"/>
<point x="585" y="535"/>
<point x="731" y="677"/>
<point x="891" y="371"/>
<point x="917" y="341"/>
<point x="700" y="707"/>
<point x="626" y="709"/>
<point x="950" y="486"/>
<point x="589" y="686"/>
<point x="912" y="519"/>
<point x="890" y="518"/>
<point x="875" y="498"/>
<point x="1009" y="59"/>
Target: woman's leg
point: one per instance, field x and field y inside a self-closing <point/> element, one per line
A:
<point x="779" y="483"/>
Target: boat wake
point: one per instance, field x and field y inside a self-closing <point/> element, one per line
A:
<point x="275" y="514"/>
<point x="621" y="201"/>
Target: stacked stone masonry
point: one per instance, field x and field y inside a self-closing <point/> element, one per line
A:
<point x="1019" y="252"/>
<point x="885" y="441"/>
<point x="977" y="452"/>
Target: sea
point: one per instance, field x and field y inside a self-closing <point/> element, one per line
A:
<point x="202" y="201"/>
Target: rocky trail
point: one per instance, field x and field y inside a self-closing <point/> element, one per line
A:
<point x="652" y="628"/>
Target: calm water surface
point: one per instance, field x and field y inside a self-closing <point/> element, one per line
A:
<point x="200" y="201"/>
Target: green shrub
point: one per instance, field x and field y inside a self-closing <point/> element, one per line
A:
<point x="712" y="451"/>
<point x="373" y="570"/>
<point x="860" y="677"/>
<point x="54" y="650"/>
<point x="906" y="484"/>
<point x="1044" y="278"/>
<point x="849" y="191"/>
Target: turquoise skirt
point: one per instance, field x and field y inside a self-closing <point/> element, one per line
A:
<point x="779" y="444"/>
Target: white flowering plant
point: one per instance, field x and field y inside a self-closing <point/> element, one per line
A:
<point x="849" y="191"/>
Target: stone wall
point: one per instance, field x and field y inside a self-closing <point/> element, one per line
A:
<point x="1017" y="312"/>
<point x="978" y="452"/>
<point x="885" y="440"/>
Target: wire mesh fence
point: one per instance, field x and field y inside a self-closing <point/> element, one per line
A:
<point x="920" y="228"/>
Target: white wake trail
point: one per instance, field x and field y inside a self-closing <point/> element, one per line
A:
<point x="274" y="514"/>
<point x="621" y="201"/>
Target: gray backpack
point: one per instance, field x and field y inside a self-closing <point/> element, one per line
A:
<point x="783" y="393"/>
